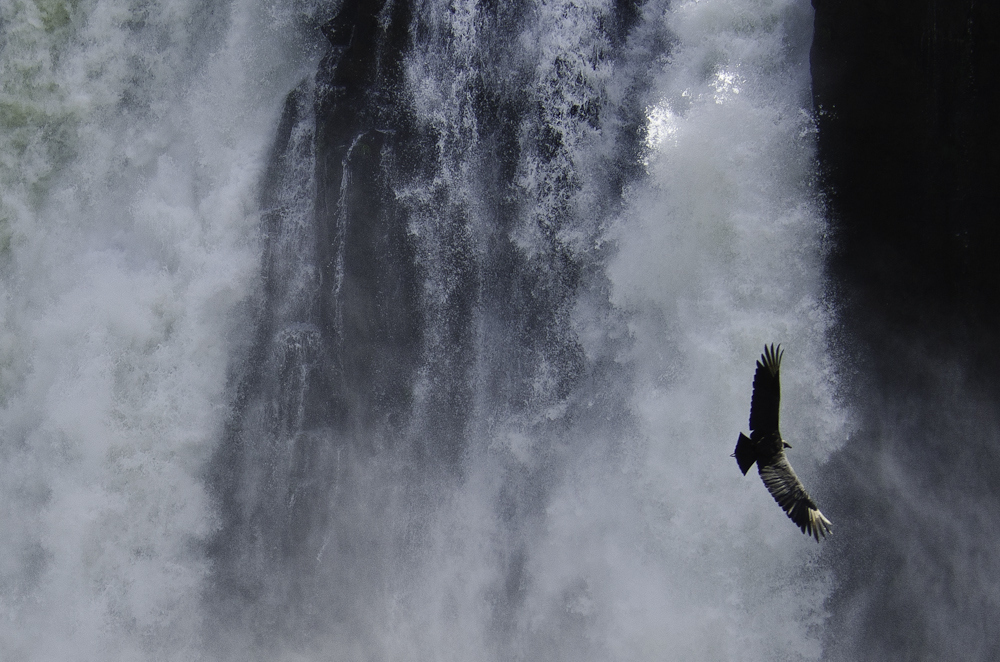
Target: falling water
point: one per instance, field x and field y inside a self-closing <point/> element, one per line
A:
<point x="407" y="331"/>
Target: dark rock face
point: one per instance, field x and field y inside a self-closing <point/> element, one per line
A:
<point x="369" y="294"/>
<point x="909" y="142"/>
<point x="330" y="374"/>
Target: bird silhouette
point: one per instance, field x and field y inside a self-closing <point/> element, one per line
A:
<point x="766" y="447"/>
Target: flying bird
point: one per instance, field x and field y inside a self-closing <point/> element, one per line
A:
<point x="766" y="447"/>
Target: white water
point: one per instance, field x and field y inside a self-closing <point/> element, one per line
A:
<point x="134" y="138"/>
<point x="721" y="250"/>
<point x="132" y="144"/>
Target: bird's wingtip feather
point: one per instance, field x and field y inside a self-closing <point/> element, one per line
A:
<point x="818" y="523"/>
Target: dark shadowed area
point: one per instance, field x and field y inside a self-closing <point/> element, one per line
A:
<point x="907" y="103"/>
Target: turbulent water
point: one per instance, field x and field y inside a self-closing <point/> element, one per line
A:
<point x="408" y="331"/>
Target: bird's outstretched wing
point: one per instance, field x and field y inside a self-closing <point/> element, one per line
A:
<point x="787" y="490"/>
<point x="766" y="393"/>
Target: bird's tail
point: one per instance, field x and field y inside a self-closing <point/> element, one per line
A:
<point x="744" y="453"/>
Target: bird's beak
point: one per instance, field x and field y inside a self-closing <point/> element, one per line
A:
<point x="787" y="445"/>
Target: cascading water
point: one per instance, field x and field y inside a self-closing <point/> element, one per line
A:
<point x="440" y="356"/>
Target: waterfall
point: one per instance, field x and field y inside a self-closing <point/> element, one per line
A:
<point x="392" y="331"/>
